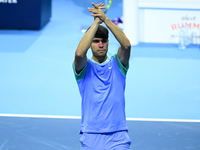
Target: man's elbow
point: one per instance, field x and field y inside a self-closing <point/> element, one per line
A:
<point x="79" y="54"/>
<point x="127" y="44"/>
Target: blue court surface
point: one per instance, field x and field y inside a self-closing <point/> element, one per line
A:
<point x="21" y="133"/>
<point x="40" y="105"/>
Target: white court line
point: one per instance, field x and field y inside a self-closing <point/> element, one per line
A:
<point x="40" y="116"/>
<point x="78" y="117"/>
<point x="162" y="120"/>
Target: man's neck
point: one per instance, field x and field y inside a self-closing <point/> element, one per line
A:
<point x="100" y="59"/>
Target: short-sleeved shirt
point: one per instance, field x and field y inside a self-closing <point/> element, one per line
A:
<point x="102" y="88"/>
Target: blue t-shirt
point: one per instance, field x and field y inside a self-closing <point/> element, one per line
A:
<point x="102" y="88"/>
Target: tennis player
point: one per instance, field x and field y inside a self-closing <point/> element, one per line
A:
<point x="101" y="81"/>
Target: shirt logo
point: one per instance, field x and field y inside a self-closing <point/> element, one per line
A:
<point x="109" y="65"/>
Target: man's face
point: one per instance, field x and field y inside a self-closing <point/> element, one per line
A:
<point x="99" y="47"/>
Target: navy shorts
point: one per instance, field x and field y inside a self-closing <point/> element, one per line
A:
<point x="106" y="141"/>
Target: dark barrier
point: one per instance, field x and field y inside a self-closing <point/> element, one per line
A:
<point x="24" y="14"/>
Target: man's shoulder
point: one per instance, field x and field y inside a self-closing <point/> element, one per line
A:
<point x="122" y="68"/>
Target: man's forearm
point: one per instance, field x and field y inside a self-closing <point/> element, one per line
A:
<point x="118" y="33"/>
<point x="86" y="41"/>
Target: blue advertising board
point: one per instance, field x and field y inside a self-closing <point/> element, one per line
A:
<point x="24" y="14"/>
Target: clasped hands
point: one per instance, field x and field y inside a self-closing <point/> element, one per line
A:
<point x="98" y="14"/>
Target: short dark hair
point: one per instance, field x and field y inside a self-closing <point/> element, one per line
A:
<point x="102" y="32"/>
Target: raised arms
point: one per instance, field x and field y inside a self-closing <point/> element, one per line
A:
<point x="124" y="49"/>
<point x="85" y="43"/>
